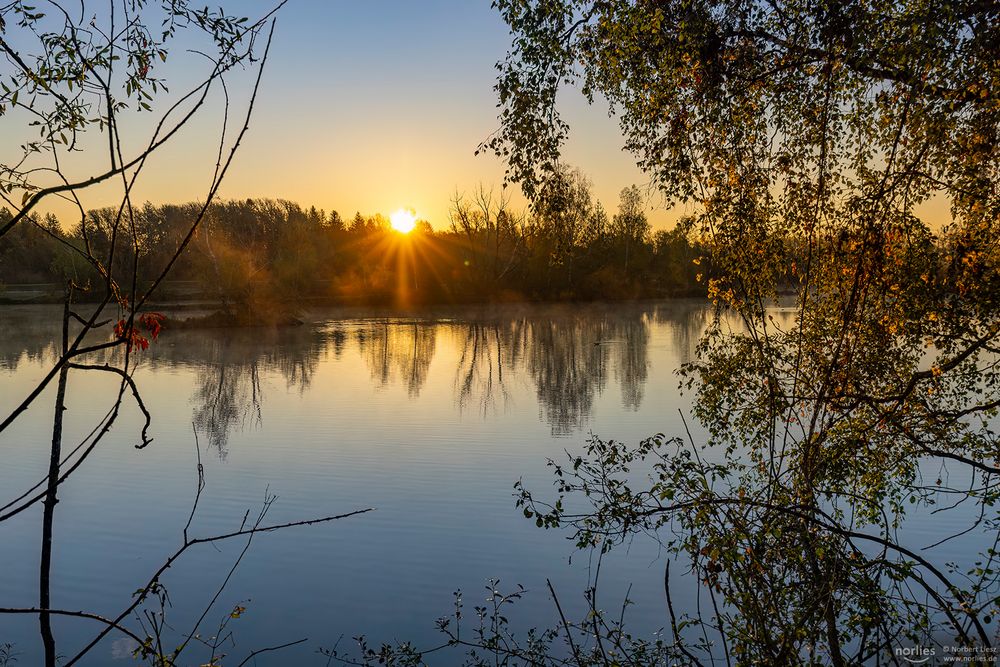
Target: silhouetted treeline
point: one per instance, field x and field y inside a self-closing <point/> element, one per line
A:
<point x="263" y="252"/>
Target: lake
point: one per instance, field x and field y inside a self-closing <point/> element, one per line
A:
<point x="429" y="418"/>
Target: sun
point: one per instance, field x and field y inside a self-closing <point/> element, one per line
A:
<point x="403" y="221"/>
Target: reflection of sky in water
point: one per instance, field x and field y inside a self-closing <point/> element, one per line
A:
<point x="429" y="419"/>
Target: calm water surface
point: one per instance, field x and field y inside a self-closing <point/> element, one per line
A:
<point x="430" y="419"/>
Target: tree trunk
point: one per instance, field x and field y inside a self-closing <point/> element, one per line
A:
<point x="49" y="504"/>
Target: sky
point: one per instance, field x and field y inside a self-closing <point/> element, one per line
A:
<point x="366" y="107"/>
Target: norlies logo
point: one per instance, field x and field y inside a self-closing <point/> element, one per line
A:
<point x="916" y="655"/>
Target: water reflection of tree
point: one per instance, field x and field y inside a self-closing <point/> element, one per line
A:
<point x="567" y="354"/>
<point x="479" y="375"/>
<point x="686" y="320"/>
<point x="631" y="359"/>
<point x="398" y="352"/>
<point x="567" y="359"/>
<point x="229" y="396"/>
<point x="25" y="335"/>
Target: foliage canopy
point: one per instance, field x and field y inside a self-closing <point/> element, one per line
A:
<point x="851" y="150"/>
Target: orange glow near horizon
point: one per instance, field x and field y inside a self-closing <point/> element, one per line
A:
<point x="403" y="221"/>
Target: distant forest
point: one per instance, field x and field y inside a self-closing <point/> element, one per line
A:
<point x="261" y="253"/>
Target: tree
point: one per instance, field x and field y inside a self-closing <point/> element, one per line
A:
<point x="677" y="262"/>
<point x="562" y="212"/>
<point x="806" y="137"/>
<point x="630" y="226"/>
<point x="493" y="234"/>
<point x="69" y="75"/>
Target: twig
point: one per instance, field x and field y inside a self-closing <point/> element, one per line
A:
<point x="201" y="483"/>
<point x="77" y="614"/>
<point x="127" y="378"/>
<point x="271" y="648"/>
<point x="569" y="633"/>
<point x="678" y="642"/>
